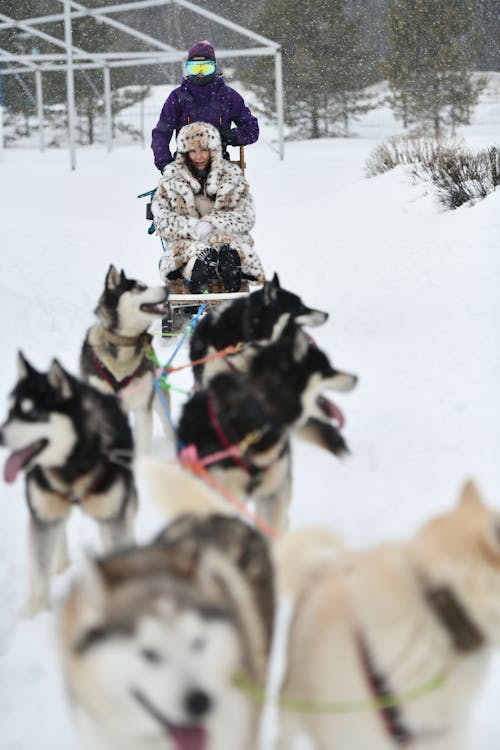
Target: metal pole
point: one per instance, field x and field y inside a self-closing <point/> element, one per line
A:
<point x="141" y="115"/>
<point x="1" y="114"/>
<point x="39" y="102"/>
<point x="107" y="107"/>
<point x="278" y="75"/>
<point x="70" y="83"/>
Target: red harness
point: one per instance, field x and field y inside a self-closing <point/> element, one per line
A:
<point x="98" y="482"/>
<point x="222" y="435"/>
<point x="116" y="385"/>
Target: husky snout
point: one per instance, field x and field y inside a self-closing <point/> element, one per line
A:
<point x="197" y="703"/>
<point x="341" y="381"/>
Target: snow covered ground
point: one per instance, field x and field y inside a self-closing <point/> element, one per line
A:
<point x="414" y="298"/>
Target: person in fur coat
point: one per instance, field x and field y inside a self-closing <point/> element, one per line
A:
<point x="203" y="210"/>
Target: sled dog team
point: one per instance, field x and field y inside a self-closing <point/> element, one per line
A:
<point x="166" y="645"/>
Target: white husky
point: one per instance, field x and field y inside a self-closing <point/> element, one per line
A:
<point x="154" y="638"/>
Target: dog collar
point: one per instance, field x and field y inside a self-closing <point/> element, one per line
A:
<point x="464" y="633"/>
<point x="391" y="715"/>
<point x="144" y="339"/>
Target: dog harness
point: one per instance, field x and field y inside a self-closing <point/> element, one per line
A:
<point x="465" y="636"/>
<point x="116" y="385"/>
<point x="97" y="483"/>
<point x="380" y="690"/>
<point x="140" y="342"/>
<point x="224" y="440"/>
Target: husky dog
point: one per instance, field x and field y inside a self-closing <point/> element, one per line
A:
<point x="257" y="412"/>
<point x="66" y="437"/>
<point x="113" y="355"/>
<point x="155" y="639"/>
<point x="254" y="321"/>
<point x="412" y="623"/>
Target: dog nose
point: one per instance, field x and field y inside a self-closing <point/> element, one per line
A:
<point x="197" y="702"/>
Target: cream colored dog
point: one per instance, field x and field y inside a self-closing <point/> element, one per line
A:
<point x="414" y="622"/>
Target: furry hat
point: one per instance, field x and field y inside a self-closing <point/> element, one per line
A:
<point x="199" y="136"/>
<point x="202" y="49"/>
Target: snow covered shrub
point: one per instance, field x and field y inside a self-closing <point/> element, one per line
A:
<point x="412" y="149"/>
<point x="463" y="175"/>
<point x="459" y="174"/>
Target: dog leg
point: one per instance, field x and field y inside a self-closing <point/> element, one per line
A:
<point x="43" y="539"/>
<point x="119" y="532"/>
<point x="143" y="423"/>
<point x="273" y="508"/>
<point x="61" y="556"/>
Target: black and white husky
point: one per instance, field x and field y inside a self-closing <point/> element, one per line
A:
<point x="113" y="357"/>
<point x="71" y="442"/>
<point x="253" y="321"/>
<point x="156" y="639"/>
<point x="253" y="415"/>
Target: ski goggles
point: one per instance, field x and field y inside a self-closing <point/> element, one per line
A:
<point x="200" y="67"/>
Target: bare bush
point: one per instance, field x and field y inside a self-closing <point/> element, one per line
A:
<point x="414" y="148"/>
<point x="459" y="174"/>
<point x="464" y="176"/>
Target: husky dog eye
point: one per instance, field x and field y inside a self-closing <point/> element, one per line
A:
<point x="26" y="405"/>
<point x="139" y="288"/>
<point x="151" y="655"/>
<point x="198" y="644"/>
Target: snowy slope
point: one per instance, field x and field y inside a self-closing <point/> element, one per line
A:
<point x="413" y="294"/>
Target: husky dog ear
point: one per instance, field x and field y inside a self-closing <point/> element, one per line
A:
<point x="59" y="379"/>
<point x="112" y="277"/>
<point x="271" y="290"/>
<point x="470" y="494"/>
<point x="23" y="366"/>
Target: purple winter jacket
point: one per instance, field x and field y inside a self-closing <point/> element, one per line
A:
<point x="216" y="103"/>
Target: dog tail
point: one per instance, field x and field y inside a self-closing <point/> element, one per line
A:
<point x="175" y="490"/>
<point x="303" y="554"/>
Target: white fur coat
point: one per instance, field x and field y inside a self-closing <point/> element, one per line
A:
<point x="232" y="214"/>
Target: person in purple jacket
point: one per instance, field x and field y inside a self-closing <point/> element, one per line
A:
<point x="203" y="96"/>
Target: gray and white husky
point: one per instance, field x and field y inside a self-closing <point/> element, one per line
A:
<point x="156" y="638"/>
<point x="113" y="357"/>
<point x="71" y="442"/>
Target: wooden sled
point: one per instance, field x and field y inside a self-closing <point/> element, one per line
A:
<point x="183" y="305"/>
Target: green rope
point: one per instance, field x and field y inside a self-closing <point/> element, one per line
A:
<point x="258" y="695"/>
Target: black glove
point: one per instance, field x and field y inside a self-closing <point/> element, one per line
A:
<point x="227" y="138"/>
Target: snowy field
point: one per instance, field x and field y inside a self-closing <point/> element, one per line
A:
<point x="414" y="298"/>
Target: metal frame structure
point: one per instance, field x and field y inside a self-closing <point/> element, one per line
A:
<point x="73" y="58"/>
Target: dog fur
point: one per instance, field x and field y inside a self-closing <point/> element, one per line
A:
<point x="62" y="434"/>
<point x="113" y="355"/>
<point x="255" y="321"/>
<point x="152" y="637"/>
<point x="423" y="609"/>
<point x="278" y="394"/>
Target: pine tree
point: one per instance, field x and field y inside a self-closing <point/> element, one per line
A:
<point x="323" y="67"/>
<point x="433" y="47"/>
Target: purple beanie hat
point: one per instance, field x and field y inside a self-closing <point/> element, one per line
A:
<point x="202" y="49"/>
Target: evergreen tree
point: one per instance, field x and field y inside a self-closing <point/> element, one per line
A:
<point x="433" y="46"/>
<point x="323" y="66"/>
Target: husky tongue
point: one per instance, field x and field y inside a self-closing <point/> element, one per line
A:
<point x="17" y="460"/>
<point x="333" y="410"/>
<point x="188" y="738"/>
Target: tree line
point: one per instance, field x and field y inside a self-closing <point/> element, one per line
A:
<point x="332" y="51"/>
